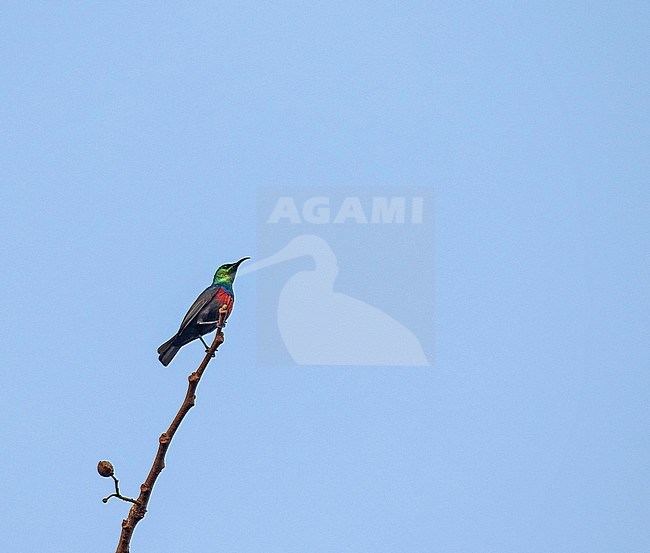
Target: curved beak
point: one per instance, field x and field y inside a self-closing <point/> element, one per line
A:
<point x="238" y="263"/>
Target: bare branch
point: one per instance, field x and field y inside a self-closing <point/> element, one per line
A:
<point x="139" y="508"/>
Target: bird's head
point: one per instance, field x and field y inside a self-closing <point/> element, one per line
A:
<point x="227" y="272"/>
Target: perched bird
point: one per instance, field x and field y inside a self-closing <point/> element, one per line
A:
<point x="202" y="317"/>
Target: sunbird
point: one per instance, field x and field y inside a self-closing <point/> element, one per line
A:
<point x="203" y="316"/>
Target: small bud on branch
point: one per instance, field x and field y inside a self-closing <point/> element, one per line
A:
<point x="105" y="469"/>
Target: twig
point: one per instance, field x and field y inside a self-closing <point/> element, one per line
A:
<point x="139" y="508"/>
<point x="117" y="493"/>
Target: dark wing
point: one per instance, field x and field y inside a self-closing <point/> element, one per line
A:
<point x="197" y="306"/>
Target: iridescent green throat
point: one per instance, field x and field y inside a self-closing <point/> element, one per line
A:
<point x="223" y="278"/>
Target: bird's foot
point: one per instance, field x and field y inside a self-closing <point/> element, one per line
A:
<point x="203" y="342"/>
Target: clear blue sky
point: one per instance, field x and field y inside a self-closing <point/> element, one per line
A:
<point x="134" y="139"/>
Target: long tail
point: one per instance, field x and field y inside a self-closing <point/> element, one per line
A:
<point x="167" y="351"/>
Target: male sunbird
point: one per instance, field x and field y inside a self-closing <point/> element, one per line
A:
<point x="203" y="316"/>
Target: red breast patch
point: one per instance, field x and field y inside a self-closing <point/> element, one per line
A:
<point x="224" y="298"/>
